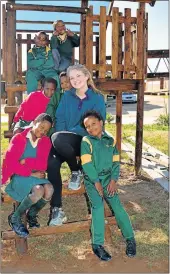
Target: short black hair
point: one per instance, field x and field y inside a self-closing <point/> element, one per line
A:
<point x="63" y="74"/>
<point x="49" y="80"/>
<point x="44" y="117"/>
<point x="91" y="113"/>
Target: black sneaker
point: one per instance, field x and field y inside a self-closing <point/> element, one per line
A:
<point x="32" y="221"/>
<point x="101" y="253"/>
<point x="131" y="248"/>
<point x="17" y="226"/>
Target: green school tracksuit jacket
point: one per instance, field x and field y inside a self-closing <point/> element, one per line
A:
<point x="40" y="64"/>
<point x="51" y="108"/>
<point x="65" y="49"/>
<point x="40" y="58"/>
<point x="100" y="157"/>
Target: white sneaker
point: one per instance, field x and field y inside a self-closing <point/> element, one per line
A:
<point x="58" y="217"/>
<point x="75" y="181"/>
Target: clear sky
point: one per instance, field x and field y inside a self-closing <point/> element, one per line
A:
<point x="158" y="20"/>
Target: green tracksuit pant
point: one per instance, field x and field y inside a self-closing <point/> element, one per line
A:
<point x="33" y="76"/>
<point x="97" y="208"/>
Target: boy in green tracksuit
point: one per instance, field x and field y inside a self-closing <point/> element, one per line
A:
<point x="62" y="43"/>
<point x="53" y="104"/>
<point x="40" y="63"/>
<point x="100" y="163"/>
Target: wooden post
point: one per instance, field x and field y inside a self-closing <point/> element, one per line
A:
<point x="115" y="41"/>
<point x="140" y="75"/>
<point x="146" y="46"/>
<point x="127" y="48"/>
<point x="162" y="82"/>
<point x="19" y="37"/>
<point x="140" y="42"/>
<point x="11" y="56"/>
<point x="89" y="40"/>
<point x="48" y="8"/>
<point x="97" y="55"/>
<point x="73" y="57"/>
<point x="119" y="94"/>
<point x="139" y="128"/>
<point x="102" y="43"/>
<point x="21" y="244"/>
<point x="82" y="49"/>
<point x="119" y="120"/>
<point x="120" y="50"/>
<point x="4" y="41"/>
<point x="29" y="42"/>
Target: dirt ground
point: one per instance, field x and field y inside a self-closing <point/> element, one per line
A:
<point x="147" y="204"/>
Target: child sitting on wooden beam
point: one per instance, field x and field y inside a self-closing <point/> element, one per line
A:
<point x="25" y="164"/>
<point x="35" y="104"/>
<point x="62" y="43"/>
<point x="40" y="63"/>
<point x="54" y="101"/>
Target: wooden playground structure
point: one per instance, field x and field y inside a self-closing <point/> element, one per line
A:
<point x="128" y="69"/>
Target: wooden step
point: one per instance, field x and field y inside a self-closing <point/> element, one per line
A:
<point x="50" y="230"/>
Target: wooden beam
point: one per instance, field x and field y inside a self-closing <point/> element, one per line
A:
<point x="137" y="1"/>
<point x="48" y="31"/>
<point x="158" y="75"/>
<point x="160" y="53"/>
<point x="139" y="128"/>
<point x="15" y="87"/>
<point x="127" y="43"/>
<point x="30" y="7"/>
<point x="89" y="39"/>
<point x="117" y="84"/>
<point x="102" y="43"/>
<point x="19" y="63"/>
<point x="4" y="41"/>
<point x="96" y="18"/>
<point x="140" y="43"/>
<point x="50" y="22"/>
<point x="109" y="11"/>
<point x="82" y="48"/>
<point x="50" y="230"/>
<point x="115" y="42"/>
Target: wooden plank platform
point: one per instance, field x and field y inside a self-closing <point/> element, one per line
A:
<point x="50" y="230"/>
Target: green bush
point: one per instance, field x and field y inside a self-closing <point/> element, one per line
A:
<point x="109" y="118"/>
<point x="163" y="119"/>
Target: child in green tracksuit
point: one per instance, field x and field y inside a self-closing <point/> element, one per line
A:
<point x="100" y="163"/>
<point x="62" y="43"/>
<point x="40" y="63"/>
<point x="53" y="104"/>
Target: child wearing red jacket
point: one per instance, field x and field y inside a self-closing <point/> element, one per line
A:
<point x="35" y="104"/>
<point x="25" y="164"/>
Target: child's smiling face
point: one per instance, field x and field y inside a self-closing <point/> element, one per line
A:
<point x="60" y="27"/>
<point x="93" y="126"/>
<point x="78" y="79"/>
<point x="49" y="89"/>
<point x="41" y="129"/>
<point x="65" y="83"/>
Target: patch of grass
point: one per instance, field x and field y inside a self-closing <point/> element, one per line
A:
<point x="152" y="232"/>
<point x="154" y="135"/>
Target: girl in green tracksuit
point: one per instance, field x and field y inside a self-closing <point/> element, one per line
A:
<point x="100" y="163"/>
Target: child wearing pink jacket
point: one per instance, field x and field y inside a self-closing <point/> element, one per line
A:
<point x="25" y="164"/>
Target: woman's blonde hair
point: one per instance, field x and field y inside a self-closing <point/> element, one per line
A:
<point x="86" y="72"/>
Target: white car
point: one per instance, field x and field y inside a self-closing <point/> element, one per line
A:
<point x="129" y="97"/>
